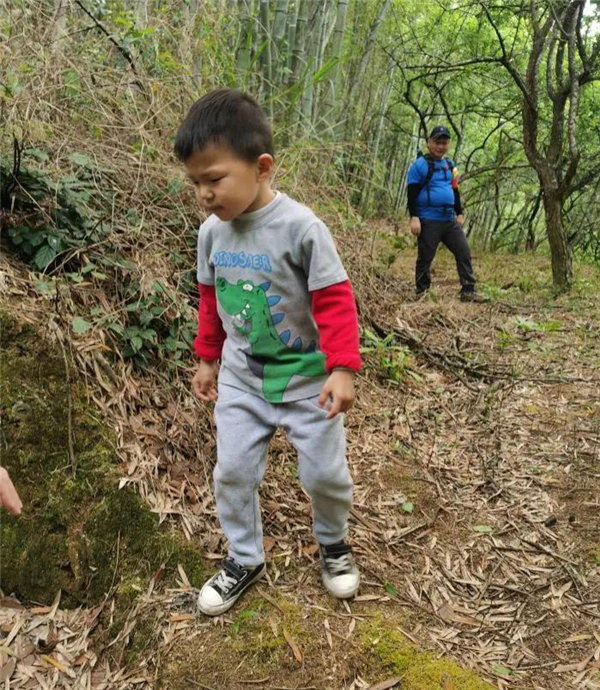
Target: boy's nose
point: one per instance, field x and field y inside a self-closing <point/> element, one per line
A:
<point x="206" y="194"/>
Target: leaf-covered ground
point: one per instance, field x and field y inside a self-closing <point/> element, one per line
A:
<point x="475" y="449"/>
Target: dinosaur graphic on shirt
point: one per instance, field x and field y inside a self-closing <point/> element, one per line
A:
<point x="270" y="358"/>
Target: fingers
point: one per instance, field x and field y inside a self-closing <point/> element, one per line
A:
<point x="324" y="396"/>
<point x="198" y="389"/>
<point x="339" y="404"/>
<point x="336" y="408"/>
<point x="9" y="498"/>
<point x="209" y="395"/>
<point x="204" y="390"/>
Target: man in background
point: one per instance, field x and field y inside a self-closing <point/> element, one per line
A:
<point x="436" y="214"/>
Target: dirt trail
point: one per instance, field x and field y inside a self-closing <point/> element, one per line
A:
<point x="476" y="460"/>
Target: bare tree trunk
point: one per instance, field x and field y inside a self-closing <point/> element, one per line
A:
<point x="245" y="40"/>
<point x="488" y="215"/>
<point x="364" y="58"/>
<point x="374" y="147"/>
<point x="530" y="241"/>
<point x="280" y="49"/>
<point x="562" y="255"/>
<point x="190" y="58"/>
<point x="322" y="34"/>
<point x="409" y="156"/>
<point x="569" y="65"/>
<point x="291" y="41"/>
<point x="331" y="107"/>
<point x="58" y="27"/>
<point x="141" y="13"/>
<point x="279" y="22"/>
<point x="298" y="59"/>
<point x="265" y="57"/>
<point x="311" y="52"/>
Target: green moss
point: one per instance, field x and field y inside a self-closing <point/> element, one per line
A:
<point x="78" y="531"/>
<point x="419" y="670"/>
<point x="253" y="636"/>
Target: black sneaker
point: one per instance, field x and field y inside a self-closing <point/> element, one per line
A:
<point x="223" y="589"/>
<point x="472" y="296"/>
<point x="338" y="570"/>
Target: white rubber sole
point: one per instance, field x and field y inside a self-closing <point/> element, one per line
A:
<point x="217" y="610"/>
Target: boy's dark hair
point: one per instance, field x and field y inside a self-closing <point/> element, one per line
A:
<point x="229" y="117"/>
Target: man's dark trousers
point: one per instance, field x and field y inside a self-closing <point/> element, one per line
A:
<point x="451" y="234"/>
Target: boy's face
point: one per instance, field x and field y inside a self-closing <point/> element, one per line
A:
<point x="226" y="184"/>
<point x="439" y="147"/>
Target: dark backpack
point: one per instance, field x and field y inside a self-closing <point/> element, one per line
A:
<point x="430" y="170"/>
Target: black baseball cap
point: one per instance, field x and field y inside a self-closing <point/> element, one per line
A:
<point x="439" y="132"/>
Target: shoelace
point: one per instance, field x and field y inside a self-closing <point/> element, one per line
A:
<point x="224" y="581"/>
<point x="339" y="565"/>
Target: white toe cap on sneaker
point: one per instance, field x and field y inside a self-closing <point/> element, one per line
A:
<point x="209" y="601"/>
<point x="342" y="586"/>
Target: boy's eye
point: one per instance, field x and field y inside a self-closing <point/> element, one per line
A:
<point x="216" y="179"/>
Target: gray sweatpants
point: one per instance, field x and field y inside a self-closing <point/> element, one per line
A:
<point x="245" y="425"/>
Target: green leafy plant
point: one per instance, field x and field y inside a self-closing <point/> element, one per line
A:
<point x="393" y="358"/>
<point x="156" y="324"/>
<point x="530" y="326"/>
<point x="45" y="218"/>
<point x="483" y="529"/>
<point x="505" y="340"/>
<point x="390" y="589"/>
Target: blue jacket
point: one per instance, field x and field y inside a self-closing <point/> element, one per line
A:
<point x="439" y="205"/>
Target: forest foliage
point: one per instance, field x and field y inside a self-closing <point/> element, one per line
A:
<point x="352" y="86"/>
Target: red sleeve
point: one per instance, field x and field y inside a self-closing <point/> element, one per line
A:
<point x="334" y="311"/>
<point x="209" y="341"/>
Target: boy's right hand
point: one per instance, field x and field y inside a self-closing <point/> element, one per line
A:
<point x="415" y="226"/>
<point x="203" y="383"/>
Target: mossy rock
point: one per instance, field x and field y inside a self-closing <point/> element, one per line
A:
<point x="78" y="532"/>
<point x="418" y="669"/>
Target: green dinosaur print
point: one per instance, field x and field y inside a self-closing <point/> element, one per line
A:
<point x="269" y="357"/>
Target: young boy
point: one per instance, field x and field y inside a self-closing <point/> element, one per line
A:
<point x="277" y="310"/>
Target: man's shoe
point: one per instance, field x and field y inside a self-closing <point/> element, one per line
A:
<point x="338" y="571"/>
<point x="223" y="589"/>
<point x="421" y="295"/>
<point x="472" y="296"/>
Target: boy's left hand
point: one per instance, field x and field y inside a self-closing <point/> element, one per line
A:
<point x="339" y="388"/>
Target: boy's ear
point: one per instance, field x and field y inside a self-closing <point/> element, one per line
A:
<point x="265" y="164"/>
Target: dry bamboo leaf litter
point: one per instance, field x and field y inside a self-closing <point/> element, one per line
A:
<point x="504" y="456"/>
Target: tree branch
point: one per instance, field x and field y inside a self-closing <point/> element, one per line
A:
<point x="453" y="124"/>
<point x="505" y="59"/>
<point x="414" y="106"/>
<point x="574" y="98"/>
